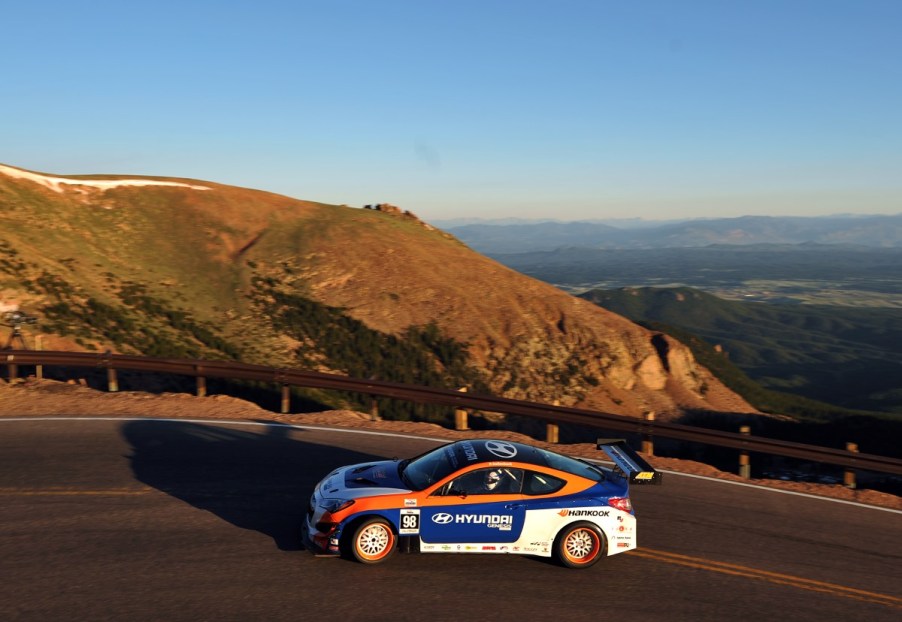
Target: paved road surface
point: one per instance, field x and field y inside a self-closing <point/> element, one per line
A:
<point x="149" y="520"/>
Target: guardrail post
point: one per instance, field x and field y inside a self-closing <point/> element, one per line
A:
<point x="12" y="369"/>
<point x="460" y="415"/>
<point x="552" y="432"/>
<point x="286" y="399"/>
<point x="106" y="361"/>
<point x="201" y="382"/>
<point x="39" y="345"/>
<point x="648" y="443"/>
<point x="111" y="380"/>
<point x="374" y="408"/>
<point x="849" y="475"/>
<point x="745" y="468"/>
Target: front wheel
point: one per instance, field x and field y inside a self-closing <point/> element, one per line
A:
<point x="579" y="545"/>
<point x="373" y="541"/>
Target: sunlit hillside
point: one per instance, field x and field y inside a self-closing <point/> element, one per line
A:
<point x="175" y="267"/>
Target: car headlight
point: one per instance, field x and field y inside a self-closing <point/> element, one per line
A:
<point x="335" y="505"/>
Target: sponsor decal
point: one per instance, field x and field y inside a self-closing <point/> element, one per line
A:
<point x="447" y="547"/>
<point x="479" y="519"/>
<point x="503" y="450"/>
<point x="503" y="548"/>
<point x="380" y="474"/>
<point x="585" y="512"/>
<point x="531" y="549"/>
<point x="503" y="522"/>
<point x="410" y="522"/>
<point x="644" y="475"/>
<point x="469" y="451"/>
<point x="516" y="548"/>
<point x="471" y="548"/>
<point x="451" y="457"/>
<point x="427" y="547"/>
<point x="622" y="545"/>
<point x="410" y="503"/>
<point x="488" y="548"/>
<point x="538" y="544"/>
<point x="621" y="528"/>
<point x="333" y="542"/>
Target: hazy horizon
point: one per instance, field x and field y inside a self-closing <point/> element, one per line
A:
<point x="640" y="220"/>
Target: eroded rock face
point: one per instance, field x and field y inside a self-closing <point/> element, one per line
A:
<point x="651" y="373"/>
<point x="534" y="341"/>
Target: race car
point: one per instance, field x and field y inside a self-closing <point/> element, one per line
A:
<point x="480" y="496"/>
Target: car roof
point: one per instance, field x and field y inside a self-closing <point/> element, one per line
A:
<point x="484" y="450"/>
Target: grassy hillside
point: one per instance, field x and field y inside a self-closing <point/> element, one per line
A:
<point x="184" y="268"/>
<point x="170" y="273"/>
<point x="847" y="357"/>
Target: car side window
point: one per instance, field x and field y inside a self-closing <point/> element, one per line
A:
<point x="493" y="481"/>
<point x="541" y="483"/>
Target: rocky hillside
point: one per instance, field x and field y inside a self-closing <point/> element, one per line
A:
<point x="181" y="267"/>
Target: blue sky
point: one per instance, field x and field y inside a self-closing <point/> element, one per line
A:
<point x="555" y="109"/>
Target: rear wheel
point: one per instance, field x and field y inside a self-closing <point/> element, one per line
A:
<point x="373" y="541"/>
<point x="579" y="545"/>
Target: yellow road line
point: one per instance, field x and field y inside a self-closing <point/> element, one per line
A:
<point x="772" y="577"/>
<point x="73" y="492"/>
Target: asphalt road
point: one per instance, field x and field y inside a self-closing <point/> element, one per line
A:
<point x="150" y="520"/>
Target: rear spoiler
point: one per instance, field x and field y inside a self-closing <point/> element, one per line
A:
<point x="630" y="462"/>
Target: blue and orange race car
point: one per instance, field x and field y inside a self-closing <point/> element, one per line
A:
<point x="480" y="496"/>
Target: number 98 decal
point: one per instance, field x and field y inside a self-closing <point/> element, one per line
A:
<point x="410" y="522"/>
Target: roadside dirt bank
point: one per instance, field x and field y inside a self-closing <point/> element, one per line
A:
<point x="43" y="398"/>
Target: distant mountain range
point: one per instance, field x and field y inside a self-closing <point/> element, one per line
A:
<point x="519" y="237"/>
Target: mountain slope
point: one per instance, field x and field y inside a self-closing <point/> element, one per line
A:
<point x="182" y="267"/>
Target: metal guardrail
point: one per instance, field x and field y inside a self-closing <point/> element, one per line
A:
<point x="202" y="369"/>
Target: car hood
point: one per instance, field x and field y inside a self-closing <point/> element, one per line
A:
<point x="364" y="480"/>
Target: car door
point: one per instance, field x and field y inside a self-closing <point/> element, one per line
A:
<point x="463" y="511"/>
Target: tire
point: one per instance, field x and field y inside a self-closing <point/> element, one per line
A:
<point x="372" y="541"/>
<point x="579" y="545"/>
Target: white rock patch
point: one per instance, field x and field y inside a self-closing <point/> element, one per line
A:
<point x="56" y="183"/>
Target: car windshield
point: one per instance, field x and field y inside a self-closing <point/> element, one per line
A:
<point x="428" y="468"/>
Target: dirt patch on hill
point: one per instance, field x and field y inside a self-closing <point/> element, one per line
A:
<point x="44" y="398"/>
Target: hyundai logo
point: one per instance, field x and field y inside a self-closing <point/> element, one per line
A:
<point x="442" y="518"/>
<point x="501" y="449"/>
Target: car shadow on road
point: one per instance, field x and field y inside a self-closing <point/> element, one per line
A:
<point x="256" y="478"/>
